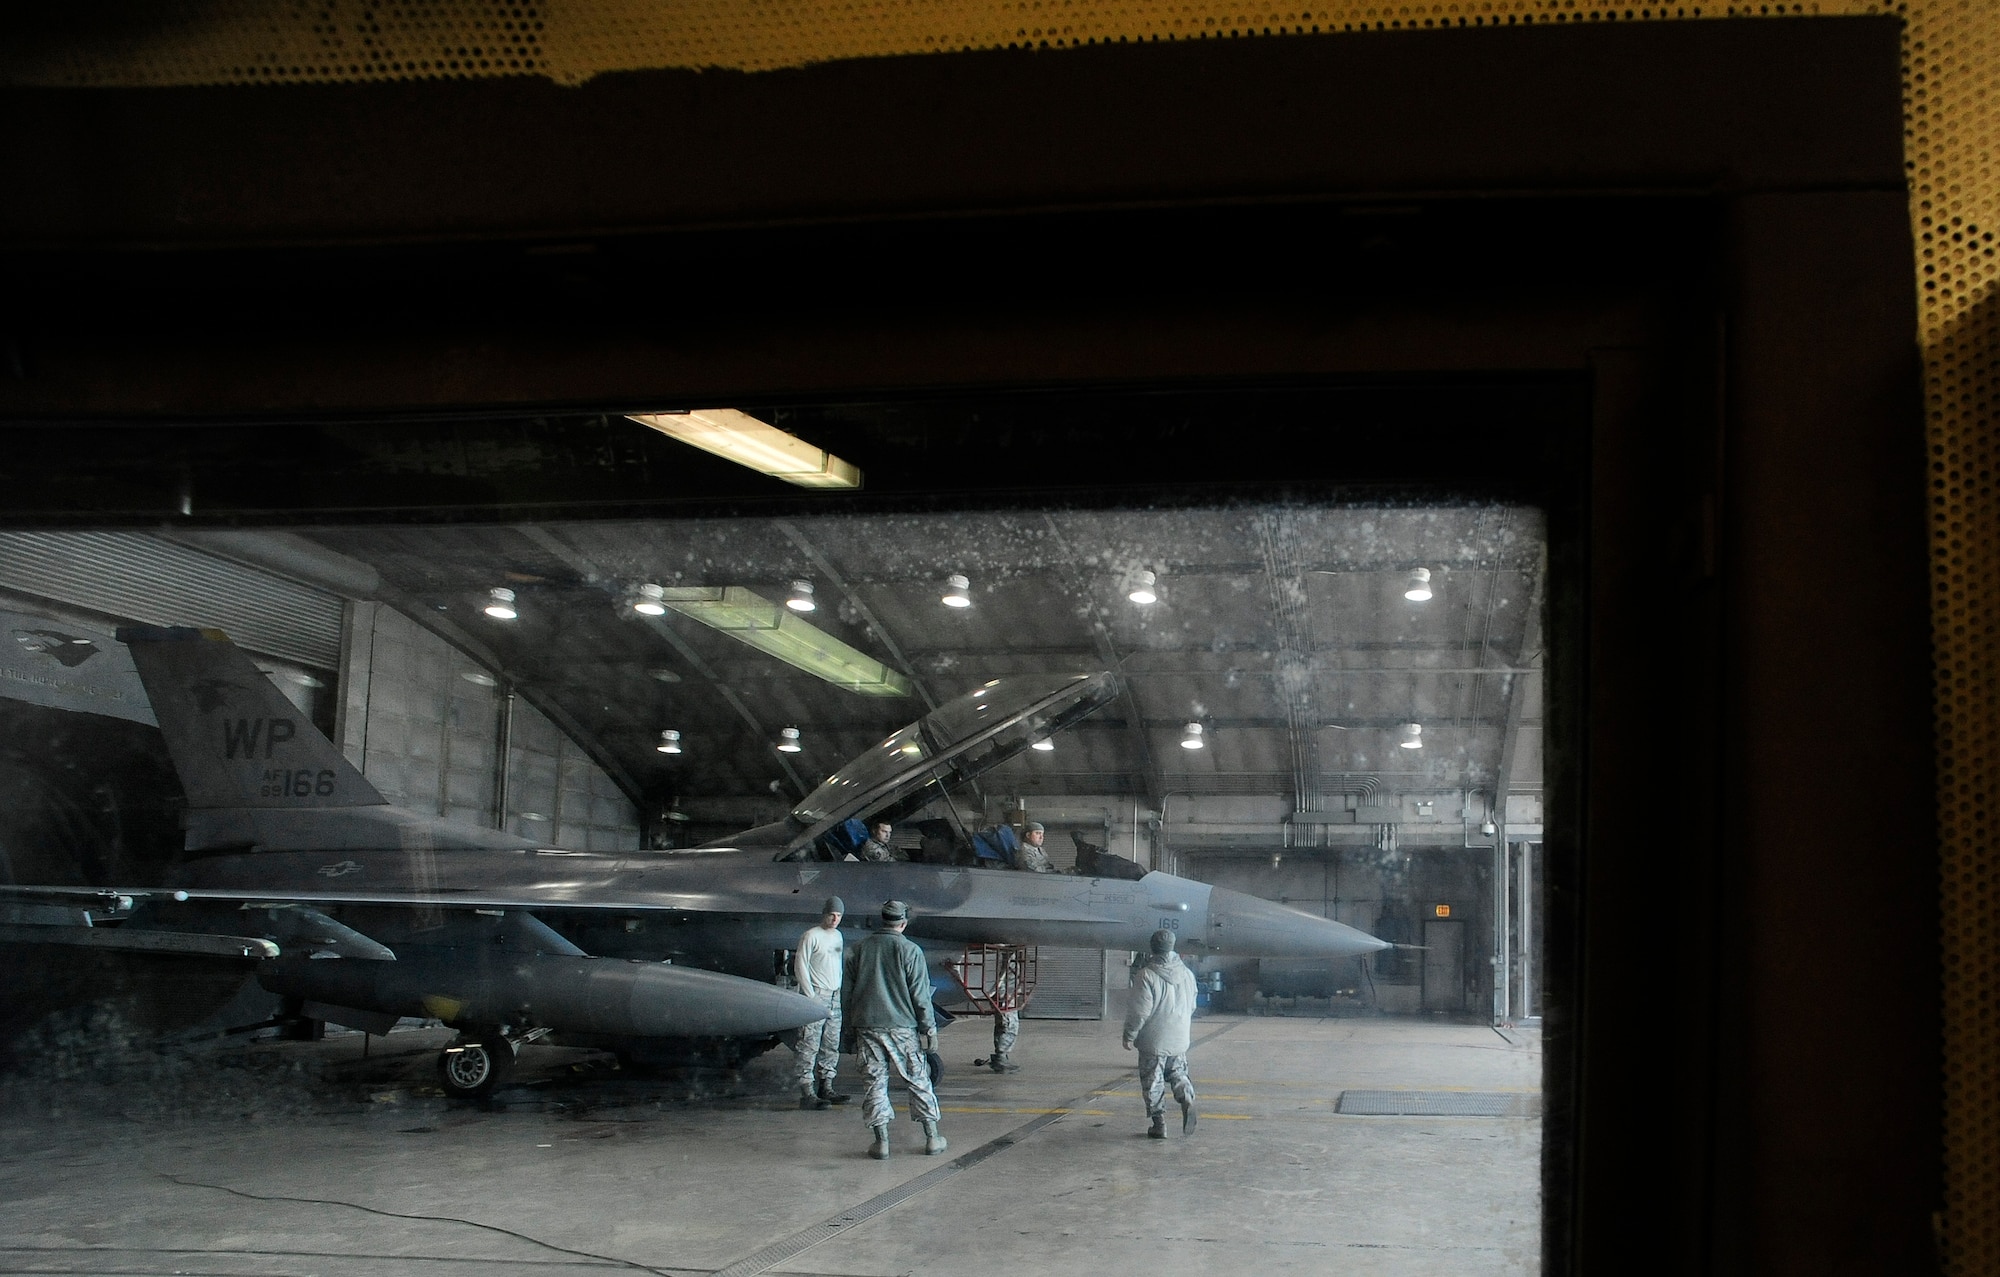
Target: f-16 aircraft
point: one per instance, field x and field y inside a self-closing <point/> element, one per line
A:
<point x="364" y="912"/>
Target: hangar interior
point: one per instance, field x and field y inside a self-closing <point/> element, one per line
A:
<point x="1336" y="705"/>
<point x="1330" y="699"/>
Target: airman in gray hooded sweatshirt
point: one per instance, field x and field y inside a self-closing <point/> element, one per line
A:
<point x="1159" y="1026"/>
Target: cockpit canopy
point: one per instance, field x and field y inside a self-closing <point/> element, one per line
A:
<point x="953" y="743"/>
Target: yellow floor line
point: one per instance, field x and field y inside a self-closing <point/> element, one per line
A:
<point x="966" y="1108"/>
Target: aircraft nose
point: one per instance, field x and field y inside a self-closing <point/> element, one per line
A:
<point x="1250" y="927"/>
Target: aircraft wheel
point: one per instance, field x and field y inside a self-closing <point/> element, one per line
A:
<point x="472" y="1066"/>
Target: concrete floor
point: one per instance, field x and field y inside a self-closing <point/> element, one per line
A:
<point x="305" y="1159"/>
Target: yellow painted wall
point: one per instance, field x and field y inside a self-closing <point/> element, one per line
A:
<point x="1952" y="63"/>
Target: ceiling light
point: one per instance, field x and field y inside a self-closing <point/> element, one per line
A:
<point x="1418" y="588"/>
<point x="500" y="604"/>
<point x="740" y="437"/>
<point x="957" y="591"/>
<point x="1191" y="738"/>
<point x="754" y="620"/>
<point x="645" y="600"/>
<point x="1413" y="736"/>
<point x="1486" y="826"/>
<point x="664" y="675"/>
<point x="1045" y="745"/>
<point x="480" y="678"/>
<point x="670" y="742"/>
<point x="1142" y="589"/>
<point x="788" y="740"/>
<point x="801" y="599"/>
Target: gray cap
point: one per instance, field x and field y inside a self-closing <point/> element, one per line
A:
<point x="833" y="904"/>
<point x="895" y="911"/>
<point x="1162" y="941"/>
<point x="1033" y="827"/>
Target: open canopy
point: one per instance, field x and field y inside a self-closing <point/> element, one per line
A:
<point x="953" y="743"/>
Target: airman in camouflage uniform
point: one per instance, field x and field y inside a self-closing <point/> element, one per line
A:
<point x="887" y="994"/>
<point x="1159" y="1026"/>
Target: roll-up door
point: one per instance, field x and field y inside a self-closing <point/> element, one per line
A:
<point x="134" y="576"/>
<point x="1069" y="985"/>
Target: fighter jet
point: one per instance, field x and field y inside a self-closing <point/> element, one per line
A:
<point x="364" y="912"/>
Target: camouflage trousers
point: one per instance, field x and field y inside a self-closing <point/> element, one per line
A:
<point x="887" y="1051"/>
<point x="1156" y="1074"/>
<point x="816" y="1047"/>
<point x="1006" y="1028"/>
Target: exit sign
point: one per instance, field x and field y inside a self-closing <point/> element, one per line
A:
<point x="1443" y="911"/>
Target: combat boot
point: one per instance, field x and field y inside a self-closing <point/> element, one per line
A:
<point x="808" y="1100"/>
<point x="831" y="1096"/>
<point x="880" y="1148"/>
<point x="933" y="1142"/>
<point x="1159" y="1127"/>
<point x="1001" y="1063"/>
<point x="1187" y="1117"/>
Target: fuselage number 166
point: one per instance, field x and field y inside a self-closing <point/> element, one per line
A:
<point x="303" y="783"/>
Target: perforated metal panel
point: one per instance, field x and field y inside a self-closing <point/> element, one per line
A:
<point x="245" y="42"/>
<point x="1952" y="129"/>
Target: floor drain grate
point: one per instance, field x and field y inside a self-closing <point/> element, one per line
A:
<point x="1437" y="1104"/>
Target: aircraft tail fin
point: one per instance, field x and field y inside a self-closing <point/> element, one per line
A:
<point x="235" y="740"/>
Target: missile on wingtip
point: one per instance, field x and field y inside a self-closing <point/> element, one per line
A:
<point x="568" y="994"/>
<point x="1246" y="925"/>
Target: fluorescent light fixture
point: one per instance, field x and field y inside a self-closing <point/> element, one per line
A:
<point x="751" y="618"/>
<point x="1413" y="736"/>
<point x="1044" y="744"/>
<point x="1142" y="589"/>
<point x="788" y="740"/>
<point x="957" y="591"/>
<point x="740" y="437"/>
<point x="1418" y="588"/>
<point x="801" y="599"/>
<point x="500" y="604"/>
<point x="1191" y="737"/>
<point x="670" y="742"/>
<point x="645" y="600"/>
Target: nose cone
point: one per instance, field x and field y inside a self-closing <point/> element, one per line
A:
<point x="1248" y="927"/>
<point x="673" y="1001"/>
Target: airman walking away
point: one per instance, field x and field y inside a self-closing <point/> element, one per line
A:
<point x="1159" y="1026"/>
<point x="887" y="991"/>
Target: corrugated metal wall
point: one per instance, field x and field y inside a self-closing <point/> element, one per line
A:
<point x="133" y="575"/>
<point x="428" y="738"/>
<point x="1069" y="985"/>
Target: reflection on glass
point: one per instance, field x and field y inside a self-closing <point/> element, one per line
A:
<point x="1239" y="725"/>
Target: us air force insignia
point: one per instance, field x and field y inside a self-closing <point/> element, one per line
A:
<point x="340" y="870"/>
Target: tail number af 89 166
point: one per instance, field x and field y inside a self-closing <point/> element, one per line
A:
<point x="303" y="783"/>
